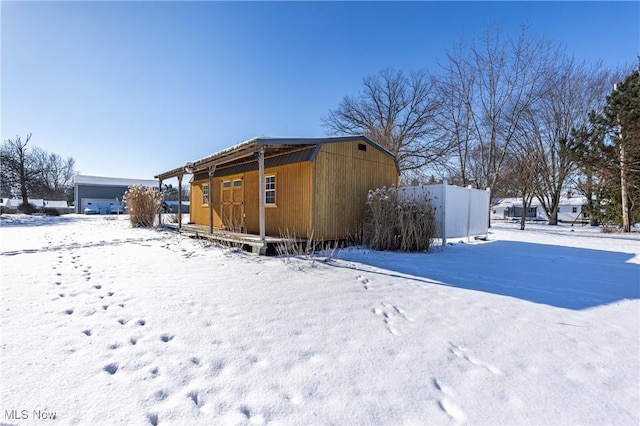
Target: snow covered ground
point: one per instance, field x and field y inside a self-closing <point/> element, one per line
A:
<point x="105" y="324"/>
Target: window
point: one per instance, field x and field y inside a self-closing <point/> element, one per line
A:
<point x="237" y="183"/>
<point x="205" y="193"/>
<point x="270" y="189"/>
<point x="226" y="184"/>
<point x="362" y="147"/>
<point x="574" y="210"/>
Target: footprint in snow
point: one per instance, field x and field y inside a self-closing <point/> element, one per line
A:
<point x="153" y="419"/>
<point x="111" y="368"/>
<point x="193" y="395"/>
<point x="447" y="403"/>
<point x="364" y="281"/>
<point x="463" y="353"/>
<point x="390" y="313"/>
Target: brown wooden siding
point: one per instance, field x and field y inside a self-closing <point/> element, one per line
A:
<point x="343" y="175"/>
<point x="292" y="211"/>
<point x="199" y="213"/>
<point x="327" y="196"/>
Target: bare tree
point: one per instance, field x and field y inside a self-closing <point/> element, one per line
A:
<point x="492" y="83"/>
<point x="20" y="170"/>
<point x="571" y="89"/>
<point x="396" y="111"/>
<point x="453" y="118"/>
<point x="31" y="171"/>
<point x="56" y="180"/>
<point x="523" y="163"/>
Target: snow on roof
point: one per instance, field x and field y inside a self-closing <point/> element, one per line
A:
<point x="56" y="203"/>
<point x="38" y="202"/>
<point x="175" y="203"/>
<point x="564" y="201"/>
<point x="246" y="148"/>
<point x="106" y="181"/>
<point x="573" y="201"/>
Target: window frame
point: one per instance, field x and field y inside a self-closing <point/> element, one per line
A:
<point x="268" y="190"/>
<point x="206" y="194"/>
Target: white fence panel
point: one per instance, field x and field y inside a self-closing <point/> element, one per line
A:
<point x="461" y="212"/>
<point x="479" y="214"/>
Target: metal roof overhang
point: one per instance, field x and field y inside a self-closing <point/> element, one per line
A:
<point x="245" y="151"/>
<point x="237" y="154"/>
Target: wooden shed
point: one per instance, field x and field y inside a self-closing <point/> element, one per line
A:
<point x="310" y="187"/>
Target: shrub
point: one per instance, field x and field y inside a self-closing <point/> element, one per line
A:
<point x="50" y="211"/>
<point x="27" y="208"/>
<point x="144" y="205"/>
<point x="394" y="224"/>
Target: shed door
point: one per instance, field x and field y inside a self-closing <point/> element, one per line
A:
<point x="232" y="204"/>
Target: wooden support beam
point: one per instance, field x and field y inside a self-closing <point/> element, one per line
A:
<point x="162" y="199"/>
<point x="262" y="189"/>
<point x="179" y="201"/>
<point x="212" y="170"/>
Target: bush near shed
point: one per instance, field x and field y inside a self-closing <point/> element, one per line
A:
<point x="144" y="205"/>
<point x="27" y="208"/>
<point x="394" y="224"/>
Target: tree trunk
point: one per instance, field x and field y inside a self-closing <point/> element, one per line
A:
<point x="624" y="189"/>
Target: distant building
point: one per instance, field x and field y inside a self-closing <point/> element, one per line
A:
<point x="569" y="209"/>
<point x="10" y="205"/>
<point x="103" y="192"/>
<point x="172" y="206"/>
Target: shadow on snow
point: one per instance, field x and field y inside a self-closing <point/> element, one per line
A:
<point x="564" y="277"/>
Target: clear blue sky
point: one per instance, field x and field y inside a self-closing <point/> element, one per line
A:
<point x="132" y="89"/>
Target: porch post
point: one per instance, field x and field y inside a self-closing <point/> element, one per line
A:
<point x="262" y="196"/>
<point x="443" y="221"/>
<point x="161" y="199"/>
<point x="212" y="170"/>
<point x="179" y="201"/>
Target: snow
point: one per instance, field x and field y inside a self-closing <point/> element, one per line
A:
<point x="103" y="180"/>
<point x="105" y="324"/>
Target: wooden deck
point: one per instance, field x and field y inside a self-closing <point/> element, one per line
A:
<point x="246" y="241"/>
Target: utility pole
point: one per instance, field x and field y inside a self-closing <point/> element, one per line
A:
<point x="626" y="223"/>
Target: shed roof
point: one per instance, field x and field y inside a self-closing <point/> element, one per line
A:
<point x="242" y="152"/>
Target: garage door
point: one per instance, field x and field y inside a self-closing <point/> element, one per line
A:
<point x="101" y="203"/>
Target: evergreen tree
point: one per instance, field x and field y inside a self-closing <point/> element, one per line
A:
<point x="607" y="151"/>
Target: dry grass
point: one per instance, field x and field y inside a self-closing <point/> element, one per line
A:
<point x="394" y="224"/>
<point x="292" y="247"/>
<point x="144" y="205"/>
<point x="610" y="229"/>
